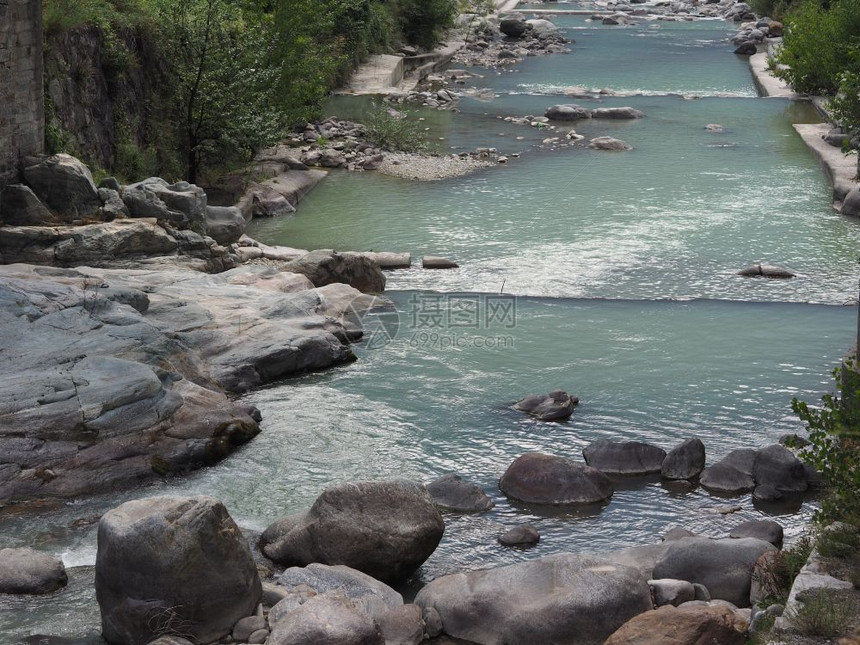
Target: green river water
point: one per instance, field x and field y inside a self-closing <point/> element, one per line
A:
<point x="623" y="267"/>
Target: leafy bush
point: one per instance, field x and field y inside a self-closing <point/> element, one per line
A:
<point x="845" y="106"/>
<point x="422" y="21"/>
<point x="395" y="133"/>
<point x="777" y="574"/>
<point x="822" y="612"/>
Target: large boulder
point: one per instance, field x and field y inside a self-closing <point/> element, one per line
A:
<point x="732" y="475"/>
<point x="561" y="598"/>
<point x="624" y="457"/>
<point x="65" y="185"/>
<point x="173" y="565"/>
<point x="684" y="461"/>
<point x="724" y="566"/>
<point x="567" y="112"/>
<point x="779" y="470"/>
<point x="183" y="205"/>
<point x="225" y="224"/>
<point x="766" y="530"/>
<point x="513" y="25"/>
<point x="609" y="143"/>
<point x="26" y="571"/>
<point x="851" y="203"/>
<point x="327" y="619"/>
<point x="19" y="206"/>
<point x="327" y="267"/>
<point x="452" y="492"/>
<point x="385" y="529"/>
<point x="363" y="590"/>
<point x="555" y="406"/>
<point x="689" y="625"/>
<point x="546" y="479"/>
<point x="617" y="113"/>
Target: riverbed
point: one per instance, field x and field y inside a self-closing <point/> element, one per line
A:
<point x="609" y="275"/>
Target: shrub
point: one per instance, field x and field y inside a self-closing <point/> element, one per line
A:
<point x="395" y="133"/>
<point x="777" y="576"/>
<point x="822" y="612"/>
<point x="421" y="21"/>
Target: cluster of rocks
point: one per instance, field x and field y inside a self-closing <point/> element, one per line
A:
<point x="437" y="97"/>
<point x="495" y="41"/>
<point x="754" y="33"/>
<point x="626" y="12"/>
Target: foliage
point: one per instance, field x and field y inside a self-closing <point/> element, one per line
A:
<point x="62" y="15"/>
<point x="845" y="106"/>
<point x="422" y="21"/>
<point x="834" y="449"/>
<point x="776" y="575"/>
<point x="821" y="612"/>
<point x="820" y="44"/>
<point x="395" y="133"/>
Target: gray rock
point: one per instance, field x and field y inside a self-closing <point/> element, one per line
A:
<point x="617" y="113"/>
<point x="732" y="475"/>
<point x="689" y="624"/>
<point x="555" y="406"/>
<point x="642" y="558"/>
<point x="244" y="627"/>
<point x="258" y="637"/>
<point x="777" y="467"/>
<point x="570" y="599"/>
<point x="513" y="25"/>
<point x="766" y="271"/>
<point x="546" y="479"/>
<point x="168" y="562"/>
<point x="225" y="224"/>
<point x="329" y="619"/>
<point x="171" y="640"/>
<point x="362" y="589"/>
<point x="452" y="492"/>
<point x="724" y="567"/>
<point x="402" y="625"/>
<point x="624" y="457"/>
<point x="765" y="530"/>
<point x="26" y="571"/>
<point x="19" y="206"/>
<point x="684" y="461"/>
<point x="567" y="112"/>
<point x="523" y="535"/>
<point x="328" y="267"/>
<point x="432" y="622"/>
<point x="385" y="529"/>
<point x="272" y="594"/>
<point x="65" y="185"/>
<point x="702" y="592"/>
<point x="112" y="205"/>
<point x="265" y="201"/>
<point x="182" y="204"/>
<point x="851" y="203"/>
<point x="435" y="262"/>
<point x="110" y="183"/>
<point x="747" y="48"/>
<point x="677" y="533"/>
<point x="671" y="592"/>
<point x="609" y="143"/>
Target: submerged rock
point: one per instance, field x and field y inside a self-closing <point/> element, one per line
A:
<point x="617" y="113"/>
<point x="452" y="492"/>
<point x="555" y="406"/>
<point x="624" y="457"/>
<point x="523" y="535"/>
<point x="567" y="112"/>
<point x="546" y="479"/>
<point x="435" y="262"/>
<point x="766" y="271"/>
<point x="609" y="143"/>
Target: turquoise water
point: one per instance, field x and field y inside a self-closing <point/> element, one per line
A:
<point x="623" y="264"/>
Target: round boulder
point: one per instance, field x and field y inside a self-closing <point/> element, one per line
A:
<point x="561" y="598"/>
<point x="624" y="457"/>
<point x="327" y="619"/>
<point x="766" y="530"/>
<point x="166" y="564"/>
<point x="689" y="625"/>
<point x="65" y="185"/>
<point x="523" y="535"/>
<point x="671" y="592"/>
<point x="384" y="529"/>
<point x="555" y="406"/>
<point x="513" y="25"/>
<point x="327" y="267"/>
<point x="777" y="467"/>
<point x="546" y="479"/>
<point x="567" y="112"/>
<point x="609" y="143"/>
<point x="26" y="571"/>
<point x="684" y="461"/>
<point x="452" y="492"/>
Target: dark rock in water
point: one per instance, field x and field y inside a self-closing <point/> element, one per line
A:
<point x="609" y="20"/>
<point x="609" y="143"/>
<point x="164" y="562"/>
<point x="452" y="492"/>
<point x="684" y="461"/>
<point x="328" y="267"/>
<point x="328" y="619"/>
<point x="776" y="466"/>
<point x="851" y="203"/>
<point x="225" y="224"/>
<point x="513" y="25"/>
<point x="25" y="571"/>
<point x="65" y="185"/>
<point x="567" y="112"/>
<point x="766" y="530"/>
<point x="724" y="478"/>
<point x="624" y="457"/>
<point x="742" y="460"/>
<point x="687" y="625"/>
<point x="546" y="479"/>
<point x="19" y="206"/>
<point x="617" y="113"/>
<point x="523" y="535"/>
<point x="746" y="49"/>
<point x="435" y="262"/>
<point x="723" y="566"/>
<point x="570" y="599"/>
<point x="384" y="529"/>
<point x="766" y="271"/>
<point x="555" y="406"/>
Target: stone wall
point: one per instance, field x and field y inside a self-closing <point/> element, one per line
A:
<point x="22" y="112"/>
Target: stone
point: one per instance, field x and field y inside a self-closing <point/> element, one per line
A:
<point x="570" y="599"/>
<point x="684" y="461"/>
<point x="702" y="592"/>
<point x="258" y="637"/>
<point x="747" y="48"/>
<point x="224" y="224"/>
<point x="777" y="467"/>
<point x="555" y="406"/>
<point x="272" y="594"/>
<point x="624" y="457"/>
<point x="65" y="185"/>
<point x="26" y="571"/>
<point x="363" y="590"/>
<point x="183" y="205"/>
<point x="513" y="25"/>
<point x="247" y="626"/>
<point x="402" y="625"/>
<point x="766" y="530"/>
<point x="546" y="479"/>
<point x="715" y="128"/>
<point x="643" y="558"/>
<point x="329" y="619"/>
<point x="384" y="529"/>
<point x="671" y="592"/>
<point x="435" y="262"/>
<point x="523" y="535"/>
<point x="452" y="492"/>
<point x="609" y="143"/>
<point x="690" y="625"/>
<point x="432" y="622"/>
<point x="171" y="640"/>
<point x="19" y="206"/>
<point x="726" y="479"/>
<point x="567" y="112"/>
<point x="617" y="113"/>
<point x="328" y="267"/>
<point x="112" y="205"/>
<point x="677" y="533"/>
<point x="723" y="566"/>
<point x="389" y="260"/>
<point x="163" y="562"/>
<point x="766" y="271"/>
<point x="851" y="203"/>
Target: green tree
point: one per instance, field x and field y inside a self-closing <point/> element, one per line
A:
<point x="421" y="21"/>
